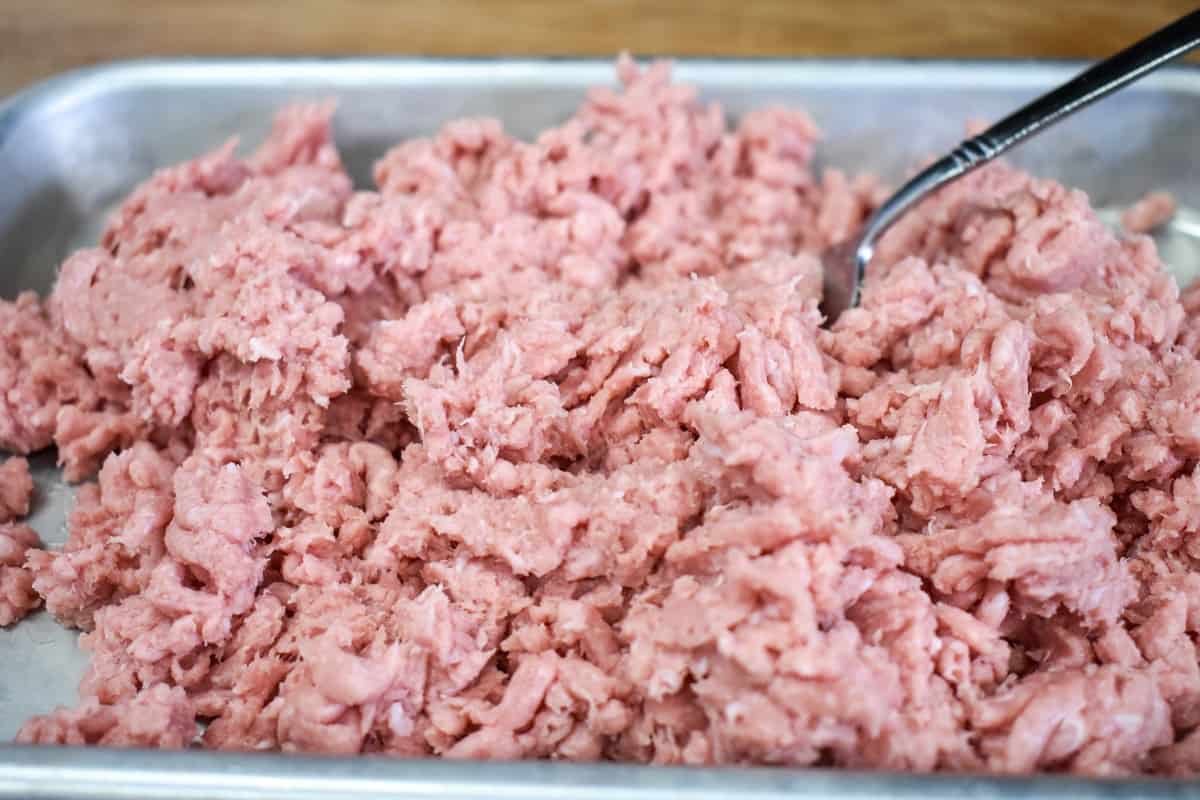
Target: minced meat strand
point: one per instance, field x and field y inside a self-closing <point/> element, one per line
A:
<point x="1150" y="212"/>
<point x="17" y="542"/>
<point x="16" y="489"/>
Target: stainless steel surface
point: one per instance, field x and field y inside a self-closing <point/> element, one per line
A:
<point x="846" y="263"/>
<point x="71" y="149"/>
<point x="69" y="774"/>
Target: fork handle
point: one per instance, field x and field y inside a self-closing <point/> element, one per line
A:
<point x="1097" y="81"/>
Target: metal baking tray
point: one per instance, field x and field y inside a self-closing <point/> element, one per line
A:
<point x="71" y="148"/>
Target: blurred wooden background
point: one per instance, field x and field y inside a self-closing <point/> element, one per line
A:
<point x="41" y="37"/>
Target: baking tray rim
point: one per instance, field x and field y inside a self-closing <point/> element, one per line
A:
<point x="67" y="773"/>
<point x="77" y="772"/>
<point x="81" y="82"/>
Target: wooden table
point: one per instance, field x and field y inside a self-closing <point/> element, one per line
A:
<point x="41" y="37"/>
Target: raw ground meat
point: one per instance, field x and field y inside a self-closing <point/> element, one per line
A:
<point x="16" y="489"/>
<point x="539" y="450"/>
<point x="17" y="542"/>
<point x="1152" y="211"/>
<point x="17" y="595"/>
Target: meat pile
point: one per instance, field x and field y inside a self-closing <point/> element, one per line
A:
<point x="540" y="451"/>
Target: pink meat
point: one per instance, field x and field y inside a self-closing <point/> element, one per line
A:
<point x="1048" y="557"/>
<point x="540" y="450"/>
<point x="16" y="489"/>
<point x="115" y="537"/>
<point x="39" y="372"/>
<point x="17" y="541"/>
<point x="1152" y="211"/>
<point x="1100" y="721"/>
<point x="160" y="716"/>
<point x="17" y="595"/>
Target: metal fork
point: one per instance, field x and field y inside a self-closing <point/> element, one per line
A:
<point x="845" y="263"/>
